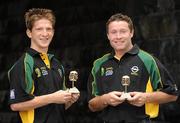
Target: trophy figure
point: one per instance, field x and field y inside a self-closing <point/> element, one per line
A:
<point x="73" y="76"/>
<point x="125" y="82"/>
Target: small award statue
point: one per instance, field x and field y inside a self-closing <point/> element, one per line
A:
<point x="125" y="82"/>
<point x="73" y="76"/>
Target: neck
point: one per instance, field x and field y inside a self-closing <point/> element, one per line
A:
<point x="40" y="50"/>
<point x="118" y="56"/>
<point x="120" y="53"/>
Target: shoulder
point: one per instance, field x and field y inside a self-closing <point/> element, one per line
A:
<point x="55" y="59"/>
<point x="102" y="59"/>
<point x="17" y="66"/>
<point x="145" y="56"/>
<point x="19" y="62"/>
<point x="98" y="62"/>
<point x="56" y="62"/>
<point x="151" y="63"/>
<point x="23" y="61"/>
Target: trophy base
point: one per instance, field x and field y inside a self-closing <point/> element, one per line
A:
<point x="125" y="96"/>
<point x="74" y="90"/>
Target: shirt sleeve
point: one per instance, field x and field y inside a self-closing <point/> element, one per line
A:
<point x="168" y="83"/>
<point x="89" y="88"/>
<point x="94" y="87"/>
<point x="18" y="84"/>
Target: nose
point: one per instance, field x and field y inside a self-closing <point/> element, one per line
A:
<point x="44" y="32"/>
<point x="119" y="35"/>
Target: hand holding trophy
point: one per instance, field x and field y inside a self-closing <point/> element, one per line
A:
<point x="73" y="76"/>
<point x="125" y="82"/>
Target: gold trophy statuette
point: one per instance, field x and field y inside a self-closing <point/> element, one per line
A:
<point x="73" y="76"/>
<point x="125" y="82"/>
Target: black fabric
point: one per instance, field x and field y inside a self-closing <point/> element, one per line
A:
<point x="142" y="121"/>
<point x="106" y="77"/>
<point x="45" y="80"/>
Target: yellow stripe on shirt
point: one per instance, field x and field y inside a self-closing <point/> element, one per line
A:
<point x="151" y="109"/>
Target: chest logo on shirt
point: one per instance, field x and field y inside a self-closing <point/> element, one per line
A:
<point x="38" y="72"/>
<point x="109" y="71"/>
<point x="44" y="71"/>
<point x="134" y="70"/>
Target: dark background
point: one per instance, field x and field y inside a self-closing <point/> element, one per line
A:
<point x="80" y="38"/>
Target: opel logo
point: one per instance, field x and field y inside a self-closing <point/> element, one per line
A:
<point x="135" y="69"/>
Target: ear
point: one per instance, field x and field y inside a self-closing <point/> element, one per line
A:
<point x="132" y="33"/>
<point x="107" y="35"/>
<point x="28" y="33"/>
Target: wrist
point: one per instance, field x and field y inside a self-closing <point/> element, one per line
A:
<point x="147" y="97"/>
<point x="104" y="99"/>
<point x="49" y="98"/>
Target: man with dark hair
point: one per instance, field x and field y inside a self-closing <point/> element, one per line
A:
<point x="146" y="80"/>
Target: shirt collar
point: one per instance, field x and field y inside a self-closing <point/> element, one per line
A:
<point x="33" y="52"/>
<point x="133" y="51"/>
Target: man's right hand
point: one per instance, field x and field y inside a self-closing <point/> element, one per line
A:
<point x="61" y="97"/>
<point x="113" y="98"/>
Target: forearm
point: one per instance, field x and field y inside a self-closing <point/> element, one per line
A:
<point x="159" y="97"/>
<point x="36" y="102"/>
<point x="98" y="103"/>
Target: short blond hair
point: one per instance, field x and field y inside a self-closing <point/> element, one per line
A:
<point x="35" y="14"/>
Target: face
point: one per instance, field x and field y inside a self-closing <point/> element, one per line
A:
<point x="120" y="36"/>
<point x="41" y="35"/>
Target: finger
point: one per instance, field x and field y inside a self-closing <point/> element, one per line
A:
<point x="117" y="93"/>
<point x="75" y="95"/>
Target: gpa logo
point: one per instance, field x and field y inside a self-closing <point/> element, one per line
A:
<point x="109" y="71"/>
<point x="134" y="70"/>
<point x="44" y="71"/>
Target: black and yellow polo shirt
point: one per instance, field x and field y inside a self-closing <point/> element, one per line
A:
<point x="36" y="74"/>
<point x="146" y="74"/>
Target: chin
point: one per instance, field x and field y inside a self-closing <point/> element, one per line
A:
<point x="44" y="47"/>
<point x="119" y="48"/>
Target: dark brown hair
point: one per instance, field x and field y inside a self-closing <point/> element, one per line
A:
<point x="120" y="17"/>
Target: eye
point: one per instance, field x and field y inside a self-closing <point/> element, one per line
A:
<point x="123" y="31"/>
<point x="39" y="29"/>
<point x="49" y="29"/>
<point x="113" y="32"/>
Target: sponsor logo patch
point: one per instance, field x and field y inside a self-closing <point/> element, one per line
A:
<point x="134" y="70"/>
<point x="38" y="72"/>
<point x="109" y="71"/>
<point x="44" y="71"/>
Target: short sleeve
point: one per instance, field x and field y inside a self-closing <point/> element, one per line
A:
<point x="18" y="84"/>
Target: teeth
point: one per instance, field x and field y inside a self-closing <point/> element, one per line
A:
<point x="44" y="39"/>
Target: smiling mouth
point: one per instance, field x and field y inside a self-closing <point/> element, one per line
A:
<point x="119" y="42"/>
<point x="44" y="39"/>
